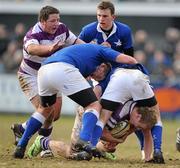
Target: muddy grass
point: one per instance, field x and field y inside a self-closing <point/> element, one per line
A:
<point x="128" y="154"/>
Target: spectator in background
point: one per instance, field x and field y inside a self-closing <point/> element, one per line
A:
<point x="176" y="66"/>
<point x="172" y="36"/>
<point x="4" y="40"/>
<point x="140" y="56"/>
<point x="177" y="49"/>
<point x="18" y="34"/>
<point x="140" y="39"/>
<point x="106" y="31"/>
<point x="3" y="44"/>
<point x="169" y="77"/>
<point x="158" y="61"/>
<point x="12" y="58"/>
<point x="149" y="49"/>
<point x="157" y="64"/>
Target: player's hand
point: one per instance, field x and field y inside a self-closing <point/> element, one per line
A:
<point x="110" y="146"/>
<point x="58" y="45"/>
<point x="105" y="43"/>
<point x="107" y="136"/>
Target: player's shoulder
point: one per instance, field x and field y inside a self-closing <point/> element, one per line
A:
<point x="35" y="29"/>
<point x="90" y="27"/>
<point x="122" y="26"/>
<point x="62" y="26"/>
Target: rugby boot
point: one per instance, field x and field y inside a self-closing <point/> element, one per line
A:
<point x="19" y="152"/>
<point x="109" y="156"/>
<point x="158" y="157"/>
<point x="86" y="146"/>
<point x="17" y="133"/>
<point x="35" y="148"/>
<point x="83" y="155"/>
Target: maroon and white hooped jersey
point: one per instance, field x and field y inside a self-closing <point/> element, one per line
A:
<point x="121" y="114"/>
<point x="31" y="63"/>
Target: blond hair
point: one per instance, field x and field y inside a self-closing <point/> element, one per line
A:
<point x="148" y="116"/>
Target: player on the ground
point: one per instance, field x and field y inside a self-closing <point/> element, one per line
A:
<point x="43" y="39"/>
<point x="122" y="123"/>
<point x="73" y="65"/>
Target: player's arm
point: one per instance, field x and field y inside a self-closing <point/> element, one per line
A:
<point x="79" y="41"/>
<point x="107" y="136"/>
<point x="42" y="50"/>
<point x="126" y="59"/>
<point x="147" y="144"/>
<point x="98" y="91"/>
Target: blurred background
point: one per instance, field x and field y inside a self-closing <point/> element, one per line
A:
<point x="156" y="31"/>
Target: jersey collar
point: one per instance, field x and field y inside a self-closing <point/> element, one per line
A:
<point x="103" y="34"/>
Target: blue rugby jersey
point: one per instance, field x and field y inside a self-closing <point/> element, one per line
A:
<point x="120" y="37"/>
<point x="85" y="57"/>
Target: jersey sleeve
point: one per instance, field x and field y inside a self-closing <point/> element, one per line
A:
<point x="71" y="38"/>
<point x="109" y="54"/>
<point x="87" y="34"/>
<point x="127" y="38"/>
<point x="30" y="39"/>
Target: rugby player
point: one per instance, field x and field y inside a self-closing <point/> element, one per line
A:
<point x="122" y="85"/>
<point x="122" y="123"/>
<point x="73" y="65"/>
<point x="43" y="39"/>
<point x="106" y="31"/>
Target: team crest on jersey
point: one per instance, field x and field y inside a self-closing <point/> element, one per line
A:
<point x="61" y="37"/>
<point x="118" y="43"/>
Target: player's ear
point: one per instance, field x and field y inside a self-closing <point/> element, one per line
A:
<point x="138" y="116"/>
<point x="114" y="17"/>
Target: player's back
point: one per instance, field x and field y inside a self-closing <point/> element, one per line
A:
<point x="85" y="57"/>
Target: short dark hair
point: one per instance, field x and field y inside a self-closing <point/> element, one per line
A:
<point x="46" y="11"/>
<point x="106" y="5"/>
<point x="148" y="116"/>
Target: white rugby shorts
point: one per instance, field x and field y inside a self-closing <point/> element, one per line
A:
<point x="128" y="84"/>
<point x="28" y="84"/>
<point x="60" y="77"/>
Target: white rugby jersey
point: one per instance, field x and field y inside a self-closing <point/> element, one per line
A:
<point x="31" y="63"/>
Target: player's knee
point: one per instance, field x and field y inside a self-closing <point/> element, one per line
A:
<point x="95" y="105"/>
<point x="45" y="111"/>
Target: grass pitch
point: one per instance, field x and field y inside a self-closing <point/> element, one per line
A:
<point x="128" y="153"/>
